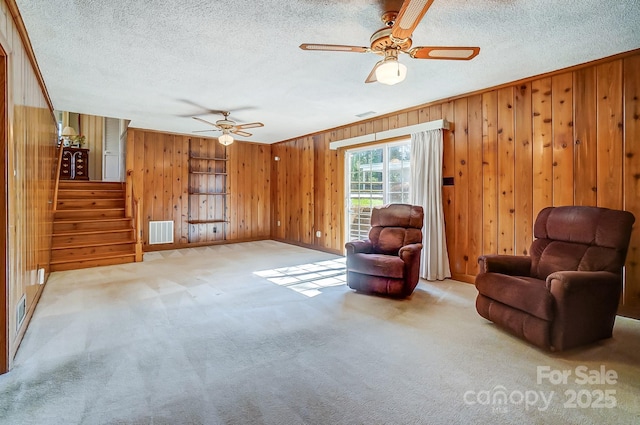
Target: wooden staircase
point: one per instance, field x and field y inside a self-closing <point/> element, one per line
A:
<point x="90" y="226"/>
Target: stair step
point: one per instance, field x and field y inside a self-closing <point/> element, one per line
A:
<point x="86" y="193"/>
<point x="79" y="244"/>
<point x="89" y="185"/>
<point x="89" y="203"/>
<point x="62" y="226"/>
<point x="87" y="214"/>
<point x="92" y="262"/>
<point x="90" y="228"/>
<point x="100" y="237"/>
<point x="93" y="251"/>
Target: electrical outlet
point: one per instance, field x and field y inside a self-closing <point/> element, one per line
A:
<point x="41" y="276"/>
<point x="215" y="230"/>
<point x="278" y="222"/>
<point x="318" y="234"/>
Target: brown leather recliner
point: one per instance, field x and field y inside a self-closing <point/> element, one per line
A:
<point x="566" y="293"/>
<point x="388" y="263"/>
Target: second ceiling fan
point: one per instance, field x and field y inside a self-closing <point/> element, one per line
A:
<point x="228" y="126"/>
<point x="395" y="38"/>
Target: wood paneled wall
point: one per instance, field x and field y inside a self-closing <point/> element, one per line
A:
<point x="30" y="148"/>
<point x="307" y="193"/>
<point x="160" y="165"/>
<point x="92" y="127"/>
<point x="568" y="138"/>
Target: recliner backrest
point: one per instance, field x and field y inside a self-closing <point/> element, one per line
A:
<point x="580" y="238"/>
<point x="394" y="226"/>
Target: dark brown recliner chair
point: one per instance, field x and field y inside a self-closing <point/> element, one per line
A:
<point x="388" y="263"/>
<point x="566" y="293"/>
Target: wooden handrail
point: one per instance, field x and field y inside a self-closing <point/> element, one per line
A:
<point x="138" y="229"/>
<point x="132" y="210"/>
<point x="128" y="203"/>
<point x="57" y="183"/>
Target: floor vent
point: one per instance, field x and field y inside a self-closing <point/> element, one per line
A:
<point x="21" y="312"/>
<point x="160" y="232"/>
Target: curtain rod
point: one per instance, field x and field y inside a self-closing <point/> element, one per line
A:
<point x="388" y="134"/>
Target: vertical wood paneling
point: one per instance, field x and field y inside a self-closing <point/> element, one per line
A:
<point x="562" y="92"/>
<point x="490" y="172"/>
<point x="162" y="161"/>
<point x="307" y="216"/>
<point x="542" y="144"/>
<point x="322" y="189"/>
<point x="240" y="194"/>
<point x="182" y="188"/>
<point x="609" y="122"/>
<point x="506" y="208"/>
<point x="460" y="247"/>
<point x="523" y="170"/>
<point x="631" y="96"/>
<point x="336" y="198"/>
<point x="92" y="127"/>
<point x="28" y="132"/>
<point x="233" y="179"/>
<point x="447" y="111"/>
<point x="584" y="93"/>
<point x="475" y="126"/>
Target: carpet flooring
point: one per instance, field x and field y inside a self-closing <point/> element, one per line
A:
<point x="267" y="333"/>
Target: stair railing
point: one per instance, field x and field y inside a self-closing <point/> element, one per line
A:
<point x="57" y="182"/>
<point x="132" y="210"/>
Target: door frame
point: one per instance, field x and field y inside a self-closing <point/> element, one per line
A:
<point x="4" y="204"/>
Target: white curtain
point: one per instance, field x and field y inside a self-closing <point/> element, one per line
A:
<point x="426" y="190"/>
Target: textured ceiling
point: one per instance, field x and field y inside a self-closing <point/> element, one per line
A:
<point x="158" y="63"/>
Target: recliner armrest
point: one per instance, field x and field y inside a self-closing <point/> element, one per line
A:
<point x="512" y="265"/>
<point x="356" y="247"/>
<point x="585" y="306"/>
<point x="407" y="252"/>
<point x="578" y="281"/>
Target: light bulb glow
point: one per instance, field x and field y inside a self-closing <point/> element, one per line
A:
<point x="391" y="72"/>
<point x="226" y="139"/>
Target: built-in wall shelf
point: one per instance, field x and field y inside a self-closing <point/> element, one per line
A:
<point x="214" y="173"/>
<point x="206" y="221"/>
<point x="207" y="191"/>
<point x="209" y="158"/>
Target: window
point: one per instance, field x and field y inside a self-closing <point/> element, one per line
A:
<point x="377" y="175"/>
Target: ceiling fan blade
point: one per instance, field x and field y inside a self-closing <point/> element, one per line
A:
<point x="241" y="133"/>
<point x="371" y="78"/>
<point x="334" y="48"/>
<point x="249" y="125"/>
<point x="203" y="131"/>
<point x="409" y="17"/>
<point x="206" y="122"/>
<point x="448" y="53"/>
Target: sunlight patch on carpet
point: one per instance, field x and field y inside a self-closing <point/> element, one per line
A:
<point x="308" y="279"/>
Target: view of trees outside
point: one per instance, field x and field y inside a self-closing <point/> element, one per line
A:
<point x="377" y="176"/>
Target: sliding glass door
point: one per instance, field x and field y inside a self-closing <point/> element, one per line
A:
<point x="376" y="175"/>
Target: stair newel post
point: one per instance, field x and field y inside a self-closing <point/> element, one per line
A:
<point x="132" y="210"/>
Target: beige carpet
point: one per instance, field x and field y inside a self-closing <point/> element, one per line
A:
<point x="266" y="333"/>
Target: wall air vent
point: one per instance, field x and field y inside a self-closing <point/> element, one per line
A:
<point x="160" y="232"/>
<point x="21" y="312"/>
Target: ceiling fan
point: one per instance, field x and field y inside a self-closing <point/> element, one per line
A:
<point x="228" y="126"/>
<point x="395" y="38"/>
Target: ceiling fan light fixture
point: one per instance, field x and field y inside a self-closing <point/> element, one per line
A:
<point x="226" y="139"/>
<point x="391" y="71"/>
